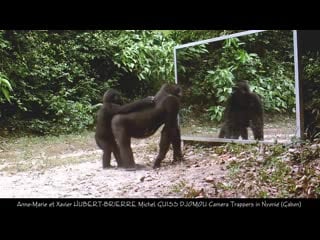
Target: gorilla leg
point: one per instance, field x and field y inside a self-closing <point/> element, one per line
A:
<point x="126" y="154"/>
<point x="223" y="131"/>
<point x="164" y="147"/>
<point x="166" y="135"/>
<point x="233" y="132"/>
<point x="106" y="158"/>
<point x="107" y="149"/>
<point x="244" y="133"/>
<point x="257" y="128"/>
<point x="176" y="145"/>
<point x="230" y="129"/>
<point x="116" y="154"/>
<point x="108" y="145"/>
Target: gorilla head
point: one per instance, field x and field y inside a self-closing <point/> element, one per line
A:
<point x="112" y="96"/>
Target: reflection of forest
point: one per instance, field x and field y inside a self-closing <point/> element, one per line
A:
<point x="209" y="72"/>
<point x="276" y="127"/>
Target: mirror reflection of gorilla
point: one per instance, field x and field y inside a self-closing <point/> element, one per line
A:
<point x="104" y="137"/>
<point x="144" y="123"/>
<point x="244" y="108"/>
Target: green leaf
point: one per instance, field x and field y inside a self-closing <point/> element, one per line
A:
<point x="5" y="82"/>
<point x="6" y="94"/>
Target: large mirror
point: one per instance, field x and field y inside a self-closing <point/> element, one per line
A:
<point x="260" y="65"/>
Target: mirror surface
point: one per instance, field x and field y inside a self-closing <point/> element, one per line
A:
<point x="209" y="72"/>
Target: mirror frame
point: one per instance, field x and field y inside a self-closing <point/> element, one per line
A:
<point x="298" y="92"/>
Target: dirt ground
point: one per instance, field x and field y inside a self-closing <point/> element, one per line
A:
<point x="73" y="169"/>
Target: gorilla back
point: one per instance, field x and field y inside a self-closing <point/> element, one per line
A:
<point x="144" y="123"/>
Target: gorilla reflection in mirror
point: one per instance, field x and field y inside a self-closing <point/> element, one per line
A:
<point x="243" y="109"/>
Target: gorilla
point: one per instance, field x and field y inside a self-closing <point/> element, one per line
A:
<point x="145" y="122"/>
<point x="104" y="136"/>
<point x="243" y="109"/>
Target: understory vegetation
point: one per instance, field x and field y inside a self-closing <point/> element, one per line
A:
<point x="51" y="82"/>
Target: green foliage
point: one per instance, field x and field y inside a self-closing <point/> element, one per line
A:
<point x="58" y="75"/>
<point x="186" y="36"/>
<point x="253" y="58"/>
<point x="147" y="54"/>
<point x="216" y="113"/>
<point x="5" y="86"/>
<point x="70" y="116"/>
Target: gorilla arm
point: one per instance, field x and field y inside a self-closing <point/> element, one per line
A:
<point x="136" y="105"/>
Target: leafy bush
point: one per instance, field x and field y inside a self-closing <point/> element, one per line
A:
<point x="5" y="86"/>
<point x="70" y="116"/>
<point x="76" y="67"/>
<point x="146" y="54"/>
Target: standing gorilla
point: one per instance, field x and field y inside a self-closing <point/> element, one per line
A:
<point x="244" y="108"/>
<point x="144" y="123"/>
<point x="104" y="137"/>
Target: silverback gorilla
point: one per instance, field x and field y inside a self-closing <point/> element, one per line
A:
<point x="104" y="137"/>
<point x="144" y="123"/>
<point x="244" y="108"/>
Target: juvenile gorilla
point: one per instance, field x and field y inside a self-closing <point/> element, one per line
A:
<point x="104" y="137"/>
<point x="144" y="123"/>
<point x="244" y="108"/>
